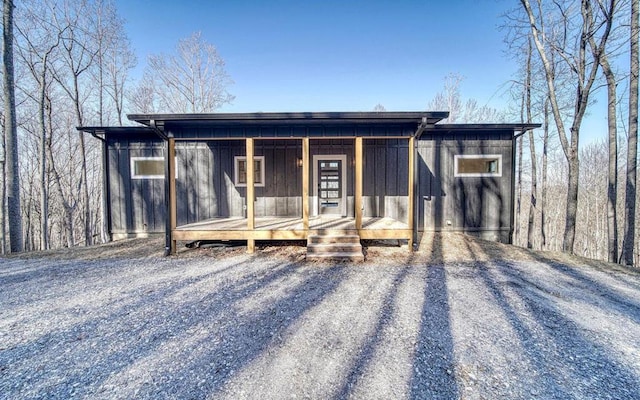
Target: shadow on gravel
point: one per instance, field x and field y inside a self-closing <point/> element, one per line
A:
<point x="568" y="363"/>
<point x="374" y="339"/>
<point x="433" y="372"/>
<point x="152" y="345"/>
<point x="617" y="301"/>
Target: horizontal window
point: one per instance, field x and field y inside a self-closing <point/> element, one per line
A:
<point x="147" y="167"/>
<point x="478" y="165"/>
<point x="240" y="173"/>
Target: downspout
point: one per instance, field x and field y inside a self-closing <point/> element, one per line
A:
<point x="159" y="130"/>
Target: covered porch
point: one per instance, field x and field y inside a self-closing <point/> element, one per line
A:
<point x="310" y="221"/>
<point x="290" y="228"/>
<point x="276" y="176"/>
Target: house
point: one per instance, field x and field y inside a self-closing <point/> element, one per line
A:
<point x="293" y="176"/>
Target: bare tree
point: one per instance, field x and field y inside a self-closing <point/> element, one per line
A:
<point x="192" y="80"/>
<point x="584" y="68"/>
<point x="545" y="153"/>
<point x="450" y="99"/>
<point x="602" y="56"/>
<point x="115" y="59"/>
<point x="532" y="151"/>
<point x="38" y="41"/>
<point x="10" y="131"/>
<point x="632" y="148"/>
<point x="79" y="56"/>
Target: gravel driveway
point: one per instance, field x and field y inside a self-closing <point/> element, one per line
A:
<point x="468" y="320"/>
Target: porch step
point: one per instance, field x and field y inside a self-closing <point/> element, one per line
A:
<point x="334" y="247"/>
<point x="333" y="238"/>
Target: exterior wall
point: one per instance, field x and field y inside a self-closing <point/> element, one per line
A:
<point x="137" y="205"/>
<point x="480" y="206"/>
<point x="386" y="179"/>
<point x="312" y="130"/>
<point x="205" y="185"/>
<point x="205" y="180"/>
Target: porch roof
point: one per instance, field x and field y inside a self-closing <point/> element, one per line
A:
<point x="233" y="125"/>
<point x="386" y="117"/>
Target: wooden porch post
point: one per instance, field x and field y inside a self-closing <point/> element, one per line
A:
<point x="358" y="184"/>
<point x="305" y="184"/>
<point x="410" y="211"/>
<point x="251" y="243"/>
<point x="173" y="214"/>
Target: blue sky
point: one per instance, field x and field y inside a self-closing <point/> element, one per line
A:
<point x="286" y="55"/>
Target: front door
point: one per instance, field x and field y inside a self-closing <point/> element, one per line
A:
<point x="330" y="181"/>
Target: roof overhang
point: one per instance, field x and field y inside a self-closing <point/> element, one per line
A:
<point x="517" y="129"/>
<point x="100" y="132"/>
<point x="386" y="117"/>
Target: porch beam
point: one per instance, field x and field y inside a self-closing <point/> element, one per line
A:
<point x="410" y="211"/>
<point x="173" y="214"/>
<point x="358" y="183"/>
<point x="250" y="193"/>
<point x="305" y="184"/>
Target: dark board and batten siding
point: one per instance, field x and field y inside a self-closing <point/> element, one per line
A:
<point x="195" y="132"/>
<point x="137" y="205"/>
<point x="477" y="205"/>
<point x="205" y="186"/>
<point x="386" y="179"/>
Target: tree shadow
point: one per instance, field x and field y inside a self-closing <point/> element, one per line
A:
<point x="147" y="327"/>
<point x="433" y="372"/>
<point x="568" y="359"/>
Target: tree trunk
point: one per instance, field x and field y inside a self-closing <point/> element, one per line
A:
<point x="532" y="148"/>
<point x="519" y="195"/>
<point x="11" y="132"/>
<point x="44" y="193"/>
<point x="573" y="167"/>
<point x="632" y="148"/>
<point x="543" y="200"/>
<point x="612" y="178"/>
<point x="88" y="236"/>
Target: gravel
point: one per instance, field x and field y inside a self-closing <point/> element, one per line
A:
<point x="461" y="318"/>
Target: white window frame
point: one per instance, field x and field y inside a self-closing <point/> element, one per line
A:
<point x="457" y="174"/>
<point x="236" y="174"/>
<point x="133" y="169"/>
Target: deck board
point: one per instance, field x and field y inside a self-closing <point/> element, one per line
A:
<point x="293" y="223"/>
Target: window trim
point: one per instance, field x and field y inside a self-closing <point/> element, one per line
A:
<point x="458" y="174"/>
<point x="236" y="169"/>
<point x="133" y="168"/>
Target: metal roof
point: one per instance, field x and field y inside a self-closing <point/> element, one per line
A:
<point x="425" y="121"/>
<point x="521" y="127"/>
<point x="295" y="117"/>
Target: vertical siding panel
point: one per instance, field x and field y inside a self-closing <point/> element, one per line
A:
<point x="381" y="178"/>
<point x="390" y="206"/>
<point x="402" y="166"/>
<point x="117" y="202"/>
<point x="369" y="179"/>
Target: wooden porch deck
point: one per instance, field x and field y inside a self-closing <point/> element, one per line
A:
<point x="289" y="228"/>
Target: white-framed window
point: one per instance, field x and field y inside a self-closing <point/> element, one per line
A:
<point x="240" y="170"/>
<point x="476" y="165"/>
<point x="147" y="167"/>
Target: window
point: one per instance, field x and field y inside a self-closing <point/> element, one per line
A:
<point x="478" y="165"/>
<point x="147" y="167"/>
<point x="240" y="177"/>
